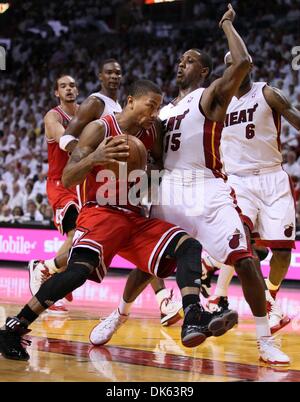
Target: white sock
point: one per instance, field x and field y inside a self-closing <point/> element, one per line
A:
<point x="225" y="275"/>
<point x="124" y="308"/>
<point x="270" y="285"/>
<point x="262" y="326"/>
<point x="161" y="295"/>
<point x="50" y="264"/>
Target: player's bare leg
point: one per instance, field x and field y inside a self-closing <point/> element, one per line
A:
<point x="279" y="263"/>
<point x="279" y="266"/>
<point x="254" y="292"/>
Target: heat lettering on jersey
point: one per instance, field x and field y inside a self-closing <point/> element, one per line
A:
<point x="240" y="116"/>
<point x="174" y="122"/>
<point x="173" y="140"/>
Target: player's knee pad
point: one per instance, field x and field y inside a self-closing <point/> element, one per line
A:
<point x="189" y="267"/>
<point x="77" y="272"/>
<point x="172" y="246"/>
<point x="84" y="256"/>
<point x="59" y="285"/>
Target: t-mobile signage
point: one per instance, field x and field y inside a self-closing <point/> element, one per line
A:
<point x="39" y="244"/>
<point x="27" y="244"/>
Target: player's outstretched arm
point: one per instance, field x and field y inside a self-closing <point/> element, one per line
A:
<point x="217" y="96"/>
<point x="91" y="109"/>
<point x="281" y="104"/>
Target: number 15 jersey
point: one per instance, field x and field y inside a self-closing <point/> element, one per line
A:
<point x="191" y="141"/>
<point x="251" y="134"/>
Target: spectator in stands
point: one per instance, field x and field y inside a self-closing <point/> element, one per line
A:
<point x="17" y="214"/>
<point x="28" y="193"/>
<point x="5" y="215"/>
<point x="292" y="166"/>
<point x="32" y="214"/>
<point x="288" y="138"/>
<point x="16" y="197"/>
<point x="39" y="186"/>
<point x="5" y="200"/>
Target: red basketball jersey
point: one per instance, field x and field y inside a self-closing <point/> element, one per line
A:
<point x="92" y="184"/>
<point x="57" y="158"/>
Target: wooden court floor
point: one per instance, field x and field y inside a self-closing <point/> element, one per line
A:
<point x="142" y="350"/>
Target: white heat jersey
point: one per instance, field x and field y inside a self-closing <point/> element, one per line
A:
<point x="110" y="106"/>
<point x="251" y="134"/>
<point x="191" y="141"/>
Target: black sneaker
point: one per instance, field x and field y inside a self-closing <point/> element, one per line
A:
<point x="219" y="307"/>
<point x="11" y="341"/>
<point x="192" y="332"/>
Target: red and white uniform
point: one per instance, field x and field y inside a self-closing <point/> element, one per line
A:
<point x="110" y="107"/>
<point x="193" y="191"/>
<point x="60" y="198"/>
<point x="253" y="162"/>
<point x="120" y="229"/>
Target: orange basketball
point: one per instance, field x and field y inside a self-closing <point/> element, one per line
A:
<point x="137" y="159"/>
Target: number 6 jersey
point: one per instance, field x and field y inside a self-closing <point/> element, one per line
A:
<point x="251" y="134"/>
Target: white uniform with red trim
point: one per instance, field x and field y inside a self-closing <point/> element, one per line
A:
<point x="193" y="193"/>
<point x="252" y="157"/>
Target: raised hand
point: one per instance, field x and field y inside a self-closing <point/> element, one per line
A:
<point x="229" y="15"/>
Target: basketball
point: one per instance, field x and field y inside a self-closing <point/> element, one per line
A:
<point x="137" y="159"/>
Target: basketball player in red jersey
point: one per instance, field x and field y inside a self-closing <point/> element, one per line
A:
<point x="97" y="105"/>
<point x="64" y="201"/>
<point x="92" y="108"/>
<point x="102" y="231"/>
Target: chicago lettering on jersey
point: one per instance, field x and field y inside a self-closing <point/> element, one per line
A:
<point x="241" y="116"/>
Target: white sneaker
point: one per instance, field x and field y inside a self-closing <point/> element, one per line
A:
<point x="171" y="311"/>
<point x="104" y="331"/>
<point x="269" y="351"/>
<point x="38" y="273"/>
<point x="277" y="319"/>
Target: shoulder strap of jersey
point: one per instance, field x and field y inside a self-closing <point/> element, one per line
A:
<point x="63" y="114"/>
